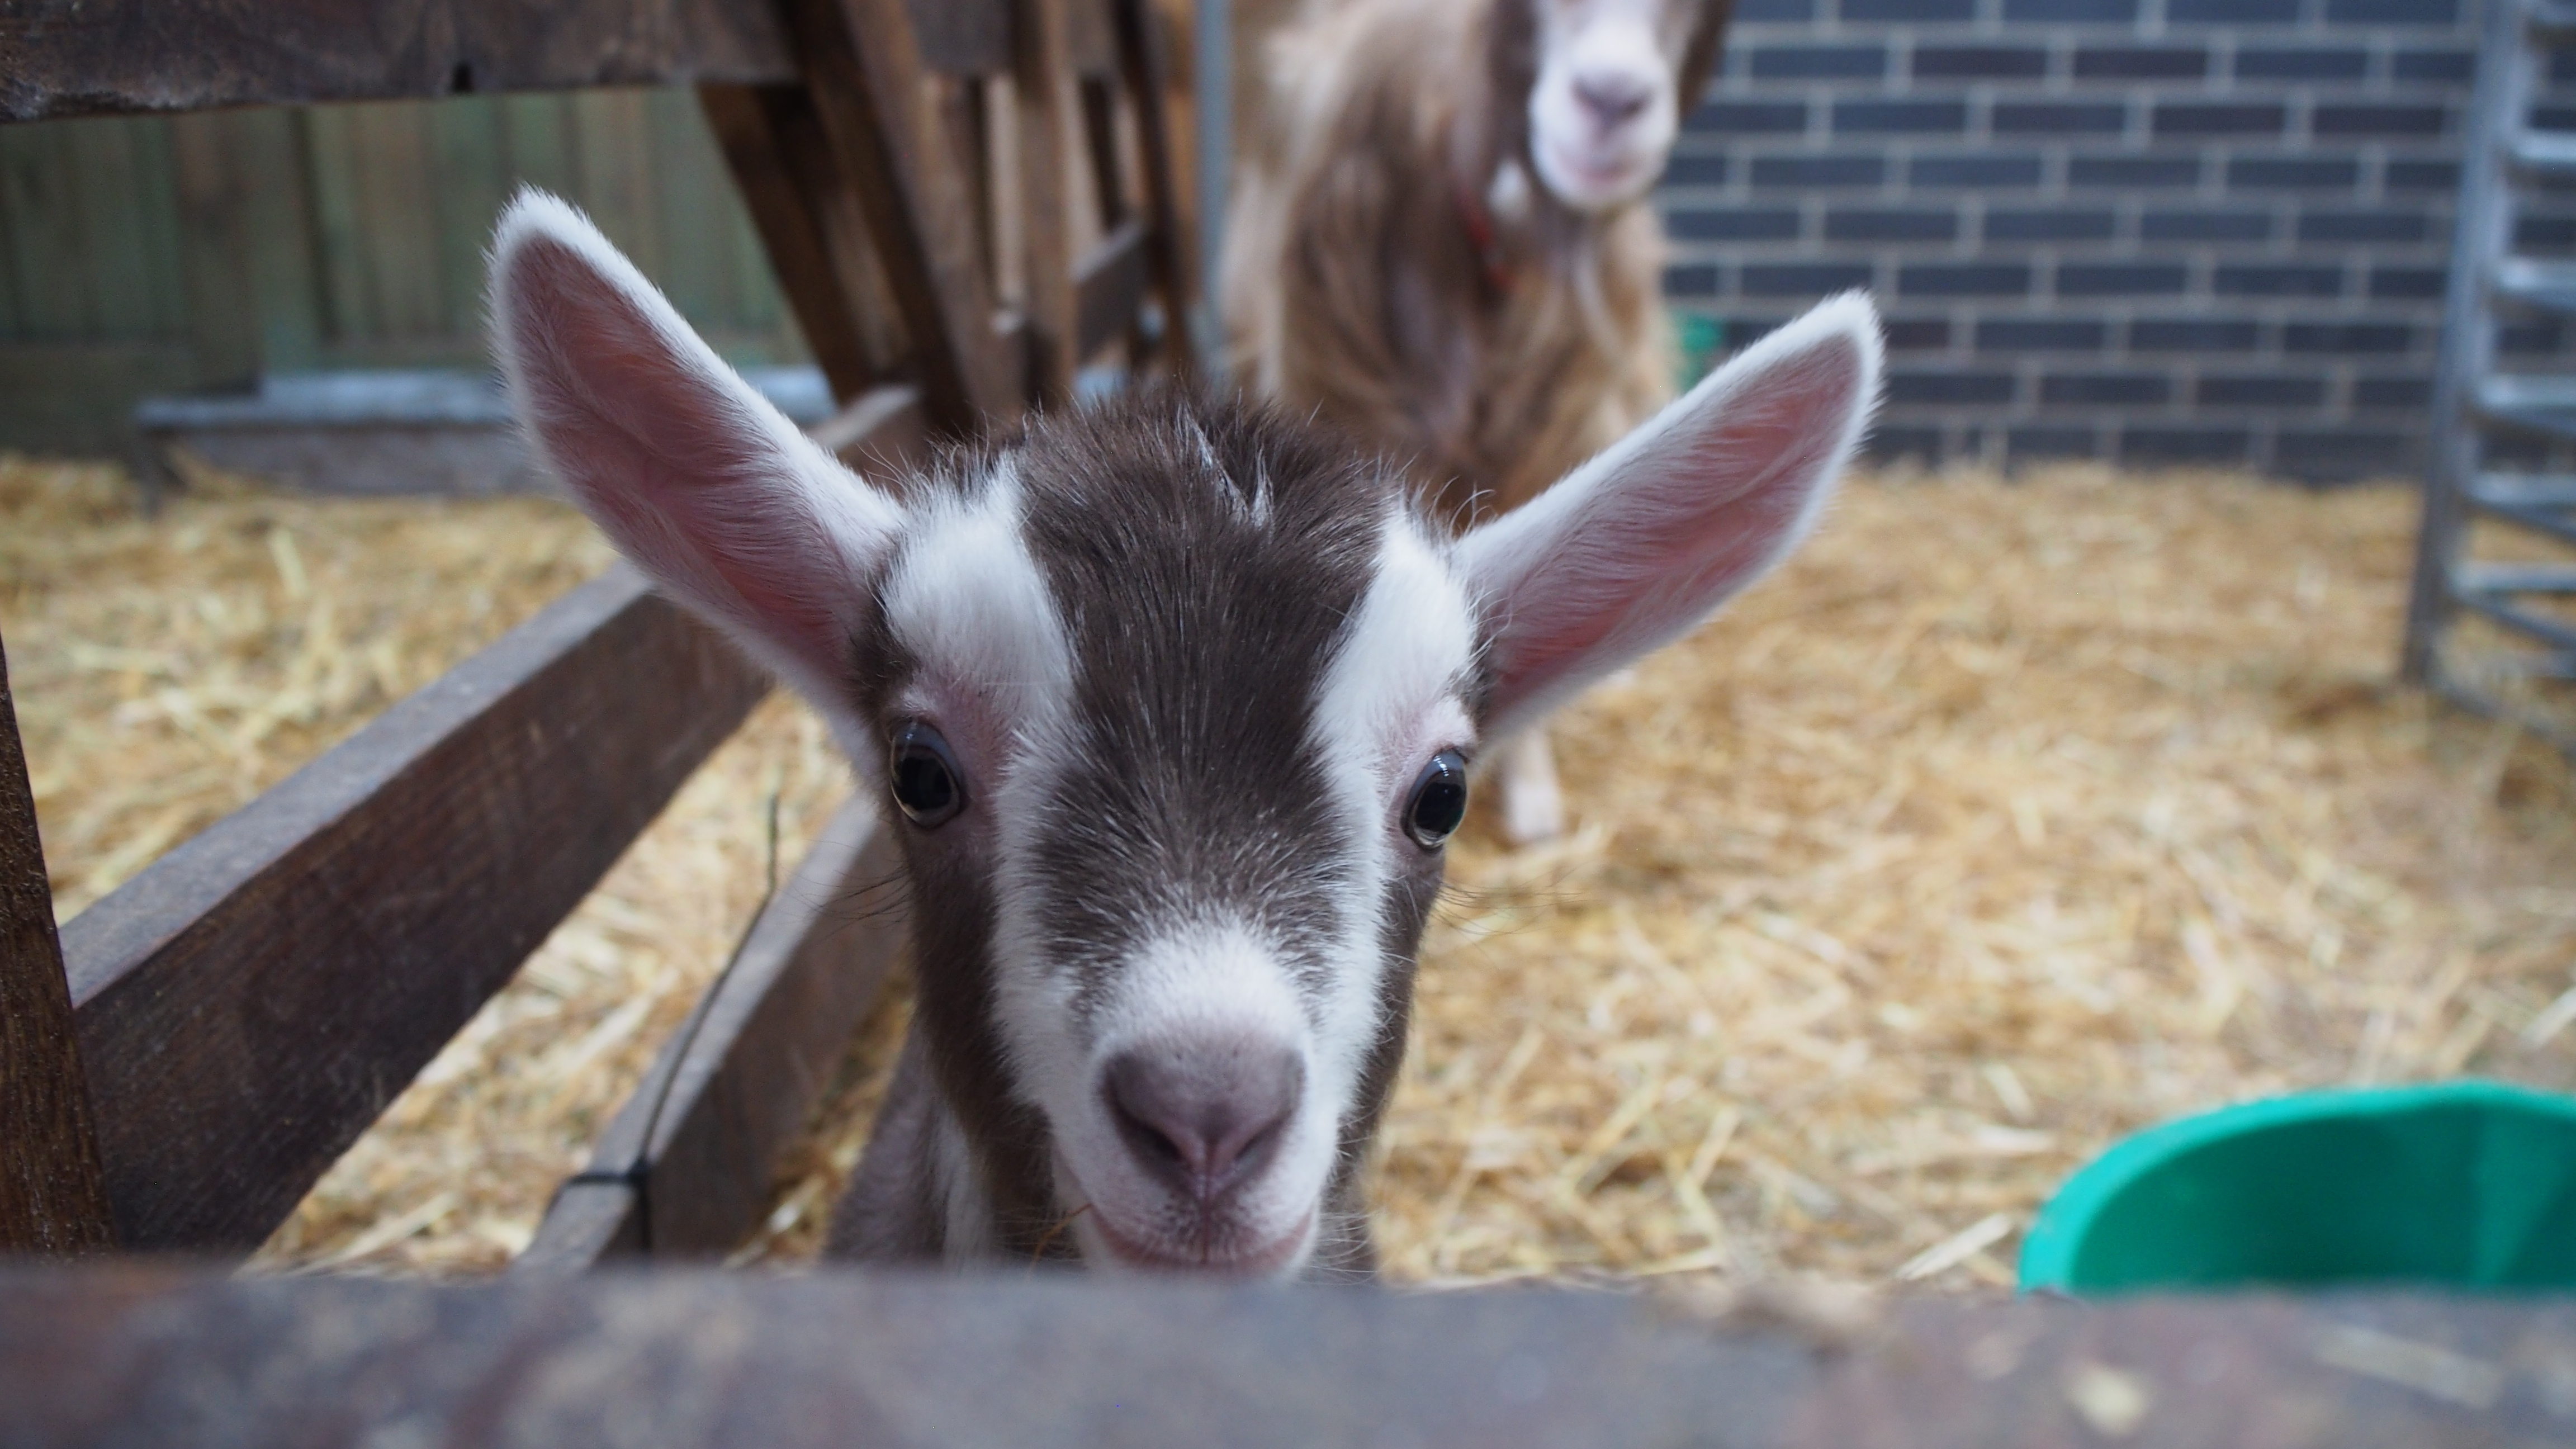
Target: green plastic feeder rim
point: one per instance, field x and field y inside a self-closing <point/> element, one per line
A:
<point x="2462" y="1184"/>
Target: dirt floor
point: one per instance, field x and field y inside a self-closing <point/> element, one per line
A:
<point x="2009" y="817"/>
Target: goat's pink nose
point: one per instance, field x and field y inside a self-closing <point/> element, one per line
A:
<point x="1202" y="1118"/>
<point x="1612" y="97"/>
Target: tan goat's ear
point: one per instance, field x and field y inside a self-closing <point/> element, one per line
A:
<point x="692" y="473"/>
<point x="1638" y="546"/>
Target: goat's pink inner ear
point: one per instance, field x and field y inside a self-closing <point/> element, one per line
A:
<point x="1647" y="542"/>
<point x="690" y="472"/>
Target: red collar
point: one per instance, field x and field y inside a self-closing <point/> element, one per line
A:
<point x="1478" y="222"/>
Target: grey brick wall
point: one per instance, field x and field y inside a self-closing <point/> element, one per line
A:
<point x="2149" y="231"/>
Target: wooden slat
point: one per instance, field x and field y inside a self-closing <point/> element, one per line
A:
<point x="685" y="1359"/>
<point x="1100" y="138"/>
<point x="734" y="1095"/>
<point x="214" y="206"/>
<point x="469" y="184"/>
<point x="53" y="1198"/>
<point x="249" y="1003"/>
<point x="880" y="433"/>
<point x="809" y="221"/>
<point x="77" y="57"/>
<point x="1167" y="256"/>
<point x="963" y="37"/>
<point x="1042" y="77"/>
<point x="268" y="153"/>
<point x="864" y="71"/>
<point x="1091" y="41"/>
<point x="1111" y="281"/>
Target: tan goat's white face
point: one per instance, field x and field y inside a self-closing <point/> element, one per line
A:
<point x="1170" y="702"/>
<point x="1605" y="107"/>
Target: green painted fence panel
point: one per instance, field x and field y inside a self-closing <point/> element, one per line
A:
<point x="360" y="233"/>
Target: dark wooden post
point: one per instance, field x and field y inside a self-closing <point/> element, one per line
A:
<point x="863" y="69"/>
<point x="1140" y="57"/>
<point x="1041" y="73"/>
<point x="813" y="225"/>
<point x="53" y="1198"/>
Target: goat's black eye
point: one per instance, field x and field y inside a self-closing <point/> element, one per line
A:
<point x="1439" y="801"/>
<point x="924" y="776"/>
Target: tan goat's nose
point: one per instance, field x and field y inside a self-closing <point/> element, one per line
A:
<point x="1204" y="1116"/>
<point x="1612" y="97"/>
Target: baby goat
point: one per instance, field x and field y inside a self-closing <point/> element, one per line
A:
<point x="1171" y="702"/>
<point x="1439" y="244"/>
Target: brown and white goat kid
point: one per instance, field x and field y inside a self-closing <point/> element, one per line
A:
<point x="1170" y="702"/>
<point x="1439" y="244"/>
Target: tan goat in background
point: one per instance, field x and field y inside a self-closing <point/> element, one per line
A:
<point x="1439" y="244"/>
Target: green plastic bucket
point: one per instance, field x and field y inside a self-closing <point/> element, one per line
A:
<point x="2467" y="1184"/>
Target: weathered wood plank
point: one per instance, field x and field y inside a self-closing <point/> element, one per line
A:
<point x="1042" y="80"/>
<point x="1140" y="59"/>
<point x="469" y="184"/>
<point x="963" y="37"/>
<point x="689" y="196"/>
<point x="1100" y="140"/>
<point x="809" y="222"/>
<point x="250" y="1002"/>
<point x="77" y="57"/>
<point x="1111" y="281"/>
<point x="591" y="1219"/>
<point x="333" y="156"/>
<point x="732" y="1096"/>
<point x="214" y="205"/>
<point x="1090" y="40"/>
<point x="397" y="212"/>
<point x="864" y="71"/>
<point x="838" y="1358"/>
<point x="881" y="433"/>
<point x="269" y="153"/>
<point x="53" y="1198"/>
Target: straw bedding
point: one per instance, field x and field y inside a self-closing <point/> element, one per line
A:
<point x="2006" y="819"/>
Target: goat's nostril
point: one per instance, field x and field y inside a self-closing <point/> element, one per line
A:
<point x="1612" y="99"/>
<point x="1205" y="1117"/>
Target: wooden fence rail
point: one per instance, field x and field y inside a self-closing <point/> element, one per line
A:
<point x="689" y="1359"/>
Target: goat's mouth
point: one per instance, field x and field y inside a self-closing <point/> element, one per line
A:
<point x="1211" y="1253"/>
<point x="1593" y="177"/>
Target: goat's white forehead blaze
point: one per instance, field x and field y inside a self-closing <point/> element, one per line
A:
<point x="1395" y="691"/>
<point x="967" y="598"/>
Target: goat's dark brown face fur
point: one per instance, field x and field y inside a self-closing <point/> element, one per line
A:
<point x="1169" y="701"/>
<point x="1589" y="93"/>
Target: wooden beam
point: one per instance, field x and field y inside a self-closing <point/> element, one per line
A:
<point x="686" y="1167"/>
<point x="881" y="433"/>
<point x="963" y="37"/>
<point x="685" y="1359"/>
<point x="213" y="190"/>
<point x="1090" y="40"/>
<point x="1111" y="281"/>
<point x="864" y="70"/>
<point x="773" y="145"/>
<point x="92" y="57"/>
<point x="53" y="1198"/>
<point x="1140" y="58"/>
<point x="1042" y="78"/>
<point x="249" y="1003"/>
<point x="1100" y="138"/>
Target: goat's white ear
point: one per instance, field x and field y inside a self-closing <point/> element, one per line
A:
<point x="1638" y="546"/>
<point x="692" y="473"/>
